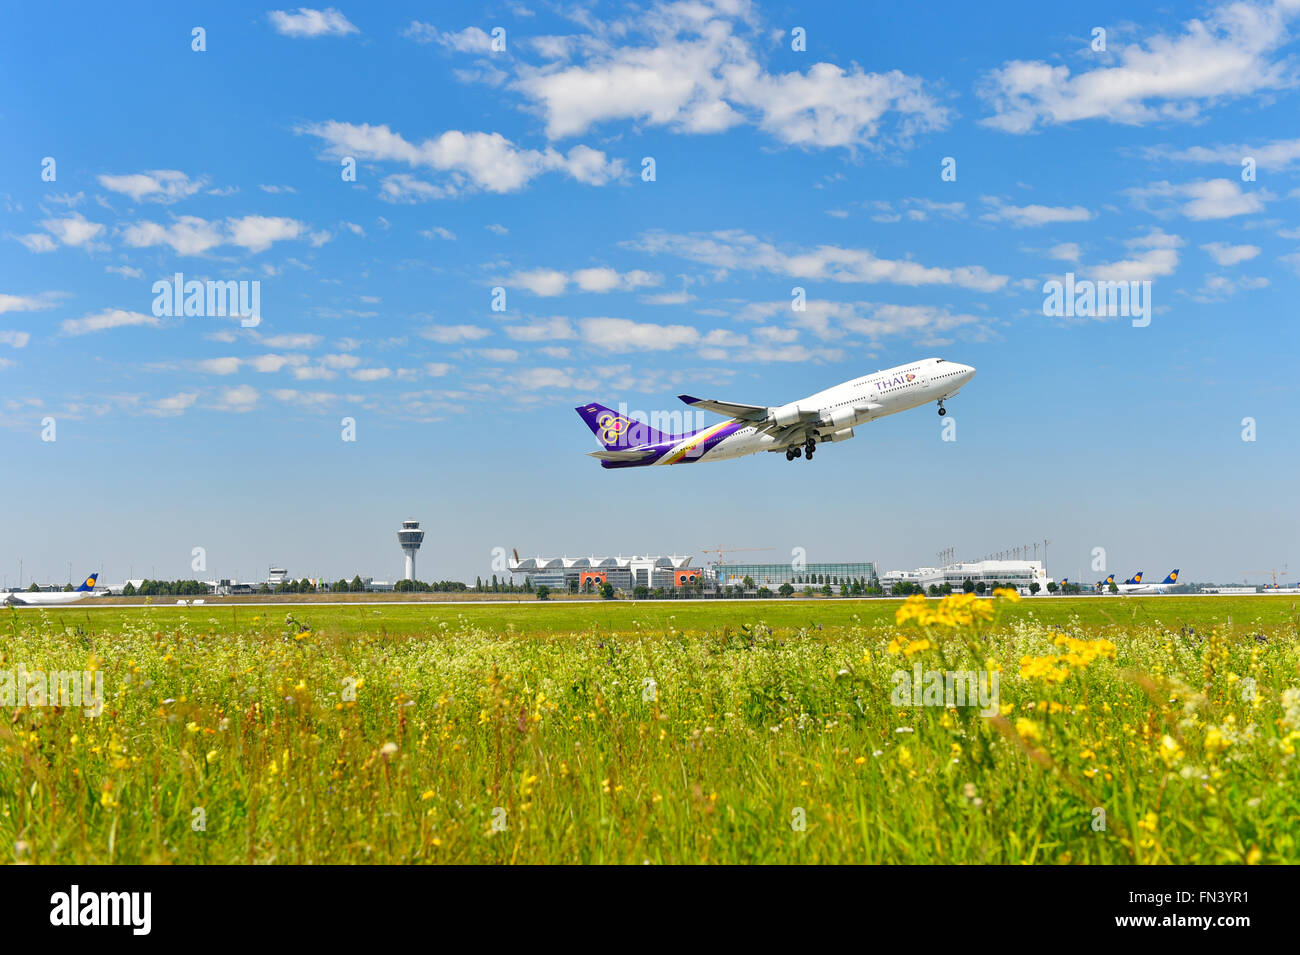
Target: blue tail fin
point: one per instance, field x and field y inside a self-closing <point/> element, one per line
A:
<point x="88" y="584"/>
<point x="1172" y="578"/>
<point x="1135" y="579"/>
<point x="614" y="430"/>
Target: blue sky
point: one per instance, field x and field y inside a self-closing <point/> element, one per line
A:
<point x="522" y="168"/>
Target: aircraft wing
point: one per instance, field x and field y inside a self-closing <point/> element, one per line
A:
<point x="731" y="409"/>
<point x="622" y="455"/>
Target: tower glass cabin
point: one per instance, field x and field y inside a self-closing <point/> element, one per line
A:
<point x="410" y="537"/>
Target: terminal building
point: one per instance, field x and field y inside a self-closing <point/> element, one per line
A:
<point x="1008" y="573"/>
<point x="624" y="573"/>
<point x="773" y="576"/>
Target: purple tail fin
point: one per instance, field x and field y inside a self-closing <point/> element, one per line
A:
<point x="614" y="430"/>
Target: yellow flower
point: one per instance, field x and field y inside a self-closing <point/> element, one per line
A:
<point x="1029" y="730"/>
<point x="1009" y="592"/>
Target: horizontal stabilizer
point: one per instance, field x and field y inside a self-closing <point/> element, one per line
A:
<point x="731" y="409"/>
<point x="623" y="455"/>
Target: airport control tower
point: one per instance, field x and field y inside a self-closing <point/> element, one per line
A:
<point x="410" y="537"/>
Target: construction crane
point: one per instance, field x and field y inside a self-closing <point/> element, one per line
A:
<point x="1264" y="573"/>
<point x="720" y="551"/>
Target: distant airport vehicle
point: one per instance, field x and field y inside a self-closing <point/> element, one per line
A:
<point x="23" y="598"/>
<point x="795" y="428"/>
<point x="1134" y="584"/>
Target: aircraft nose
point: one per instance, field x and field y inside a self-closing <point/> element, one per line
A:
<point x="968" y="373"/>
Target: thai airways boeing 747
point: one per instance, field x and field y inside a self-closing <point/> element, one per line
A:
<point x="795" y="428"/>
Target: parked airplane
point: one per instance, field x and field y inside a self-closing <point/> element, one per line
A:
<point x="795" y="428"/>
<point x="23" y="598"/>
<point x="1134" y="584"/>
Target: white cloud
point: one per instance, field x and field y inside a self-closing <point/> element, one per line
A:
<point x="257" y="233"/>
<point x="110" y="318"/>
<point x="737" y="250"/>
<point x="1032" y="215"/>
<point x="1225" y="254"/>
<point x="310" y="23"/>
<point x="237" y="398"/>
<point x="126" y="271"/>
<point x="437" y="369"/>
<point x="175" y="404"/>
<point x="1170" y="77"/>
<point x="542" y="330"/>
<point x="271" y="362"/>
<point x="1065" y="251"/>
<point x="37" y="242"/>
<point x="187" y="235"/>
<point x="1277" y="155"/>
<point x="26" y="303"/>
<point x="160" y="185"/>
<point x="1206" y="198"/>
<point x="219" y="366"/>
<point x="370" y="374"/>
<point x="468" y="40"/>
<point x="452" y="334"/>
<point x="73" y="230"/>
<point x="694" y="73"/>
<point x="470" y="161"/>
<point x="1154" y="255"/>
<point x="438" y="232"/>
<point x="498" y="354"/>
<point x="192" y="235"/>
<point x="622" y="334"/>
<point x="14" y="339"/>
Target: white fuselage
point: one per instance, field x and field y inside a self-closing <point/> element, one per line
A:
<point x="829" y="415"/>
<point x="23" y="598"/>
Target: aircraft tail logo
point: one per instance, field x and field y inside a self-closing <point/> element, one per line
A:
<point x="614" y="430"/>
<point x="88" y="583"/>
<point x="1172" y="578"/>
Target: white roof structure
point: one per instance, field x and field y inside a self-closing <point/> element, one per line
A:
<point x="528" y="564"/>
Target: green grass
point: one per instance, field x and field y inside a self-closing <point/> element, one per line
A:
<point x="763" y="714"/>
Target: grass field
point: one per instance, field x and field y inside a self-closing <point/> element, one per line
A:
<point x="1125" y="730"/>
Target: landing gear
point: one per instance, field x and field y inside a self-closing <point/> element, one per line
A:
<point x="792" y="453"/>
<point x="942" y="409"/>
<point x="809" y="446"/>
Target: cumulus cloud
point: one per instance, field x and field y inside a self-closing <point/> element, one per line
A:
<point x="192" y="235"/>
<point x="1277" y="155"/>
<point x="738" y="250"/>
<point x="468" y="40"/>
<point x="160" y="185"/>
<point x="311" y="23"/>
<point x="469" y="161"/>
<point x="452" y="334"/>
<point x="551" y="282"/>
<point x="73" y="230"/>
<point x="1151" y="256"/>
<point x="691" y="67"/>
<point x="622" y="334"/>
<point x="1032" y="215"/>
<point x="1225" y="254"/>
<point x="109" y="318"/>
<point x="1204" y="199"/>
<point x="1228" y="54"/>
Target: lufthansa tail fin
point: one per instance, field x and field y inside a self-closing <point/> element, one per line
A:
<point x="1172" y="578"/>
<point x="88" y="583"/>
<point x="1135" y="579"/>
